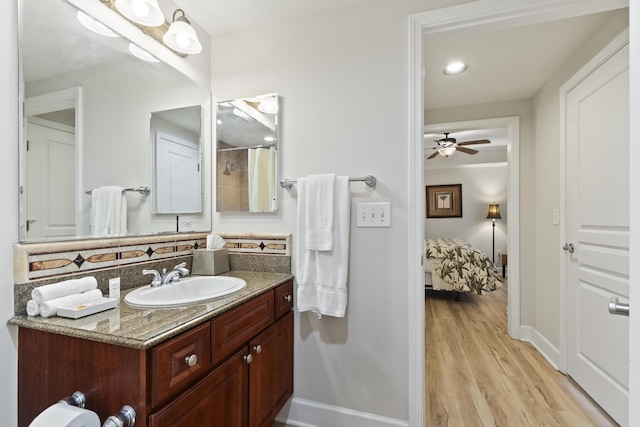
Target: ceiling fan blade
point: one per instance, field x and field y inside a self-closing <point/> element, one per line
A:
<point x="435" y="153"/>
<point x="466" y="150"/>
<point x="478" y="141"/>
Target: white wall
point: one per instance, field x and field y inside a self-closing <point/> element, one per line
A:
<point x="481" y="185"/>
<point x="342" y="73"/>
<point x="8" y="213"/>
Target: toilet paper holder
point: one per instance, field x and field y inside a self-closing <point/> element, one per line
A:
<point x="125" y="418"/>
<point x="76" y="399"/>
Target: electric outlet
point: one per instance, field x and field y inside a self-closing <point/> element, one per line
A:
<point x="373" y="214"/>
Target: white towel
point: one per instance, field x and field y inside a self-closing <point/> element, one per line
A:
<point x="50" y="308"/>
<point x="33" y="308"/>
<point x="64" y="288"/>
<point x="108" y="212"/>
<point x="322" y="275"/>
<point x="320" y="211"/>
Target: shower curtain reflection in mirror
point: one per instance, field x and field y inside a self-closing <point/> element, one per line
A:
<point x="262" y="179"/>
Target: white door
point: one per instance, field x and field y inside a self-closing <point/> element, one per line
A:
<point x="50" y="164"/>
<point x="597" y="226"/>
<point x="178" y="179"/>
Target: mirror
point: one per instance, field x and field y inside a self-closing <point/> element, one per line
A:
<point x="248" y="138"/>
<point x="176" y="159"/>
<point x="93" y="112"/>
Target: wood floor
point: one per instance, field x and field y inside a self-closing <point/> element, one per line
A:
<point x="478" y="376"/>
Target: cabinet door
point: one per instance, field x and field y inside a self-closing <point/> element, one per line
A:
<point x="219" y="400"/>
<point x="271" y="371"/>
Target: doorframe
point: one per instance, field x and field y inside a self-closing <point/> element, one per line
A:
<point x="464" y="17"/>
<point x="48" y="103"/>
<point x="607" y="52"/>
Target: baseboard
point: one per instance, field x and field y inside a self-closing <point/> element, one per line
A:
<point x="306" y="413"/>
<point x="543" y="345"/>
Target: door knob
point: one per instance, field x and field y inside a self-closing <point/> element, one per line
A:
<point x="616" y="307"/>
<point x="569" y="247"/>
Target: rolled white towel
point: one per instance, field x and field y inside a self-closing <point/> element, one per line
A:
<point x="64" y="288"/>
<point x="50" y="308"/>
<point x="33" y="308"/>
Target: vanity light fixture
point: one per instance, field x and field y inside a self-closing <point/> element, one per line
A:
<point x="181" y="36"/>
<point x="95" y="26"/>
<point x="455" y="68"/>
<point x="140" y="53"/>
<point x="143" y="12"/>
<point x="269" y="106"/>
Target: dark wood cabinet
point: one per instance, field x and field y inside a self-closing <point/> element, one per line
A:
<point x="220" y="399"/>
<point x="233" y="370"/>
<point x="271" y="372"/>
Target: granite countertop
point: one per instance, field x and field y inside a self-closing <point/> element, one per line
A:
<point x="144" y="328"/>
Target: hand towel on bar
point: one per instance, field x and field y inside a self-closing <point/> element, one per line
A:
<point x="64" y="288"/>
<point x="322" y="275"/>
<point x="108" y="211"/>
<point x="320" y="199"/>
<point x="50" y="308"/>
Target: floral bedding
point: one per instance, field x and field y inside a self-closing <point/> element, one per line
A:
<point x="458" y="266"/>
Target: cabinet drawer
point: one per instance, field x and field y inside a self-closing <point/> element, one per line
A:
<point x="284" y="299"/>
<point x="236" y="327"/>
<point x="177" y="363"/>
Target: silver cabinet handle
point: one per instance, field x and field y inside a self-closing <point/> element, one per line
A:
<point x="191" y="360"/>
<point x="288" y="298"/>
<point x="248" y="358"/>
<point x="616" y="307"/>
<point x="569" y="247"/>
<point x="257" y="348"/>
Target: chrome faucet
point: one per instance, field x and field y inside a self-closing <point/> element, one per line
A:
<point x="170" y="277"/>
<point x="174" y="275"/>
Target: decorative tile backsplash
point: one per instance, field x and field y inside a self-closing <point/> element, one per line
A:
<point x="34" y="261"/>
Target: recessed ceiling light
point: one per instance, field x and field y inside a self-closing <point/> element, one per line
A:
<point x="455" y="68"/>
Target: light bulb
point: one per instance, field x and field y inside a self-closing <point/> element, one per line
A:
<point x="183" y="40"/>
<point x="140" y="8"/>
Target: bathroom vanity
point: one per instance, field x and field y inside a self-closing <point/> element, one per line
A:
<point x="224" y="363"/>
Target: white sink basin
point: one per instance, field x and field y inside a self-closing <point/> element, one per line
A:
<point x="192" y="290"/>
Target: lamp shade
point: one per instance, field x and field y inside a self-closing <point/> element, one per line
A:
<point x="181" y="36"/>
<point x="494" y="211"/>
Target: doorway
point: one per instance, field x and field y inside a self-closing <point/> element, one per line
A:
<point x="467" y="17"/>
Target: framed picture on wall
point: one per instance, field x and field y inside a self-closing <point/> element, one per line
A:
<point x="444" y="201"/>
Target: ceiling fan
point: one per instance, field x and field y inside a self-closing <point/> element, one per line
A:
<point x="447" y="146"/>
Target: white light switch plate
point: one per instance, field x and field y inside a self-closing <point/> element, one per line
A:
<point x="373" y="214"/>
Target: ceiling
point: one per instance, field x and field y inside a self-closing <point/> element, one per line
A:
<point x="224" y="16"/>
<point x="503" y="64"/>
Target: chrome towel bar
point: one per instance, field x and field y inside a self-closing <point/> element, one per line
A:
<point x="370" y="180"/>
<point x="145" y="191"/>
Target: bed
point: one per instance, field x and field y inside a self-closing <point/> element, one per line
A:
<point x="455" y="265"/>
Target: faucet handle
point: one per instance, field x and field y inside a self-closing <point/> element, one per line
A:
<point x="157" y="279"/>
<point x="179" y="266"/>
